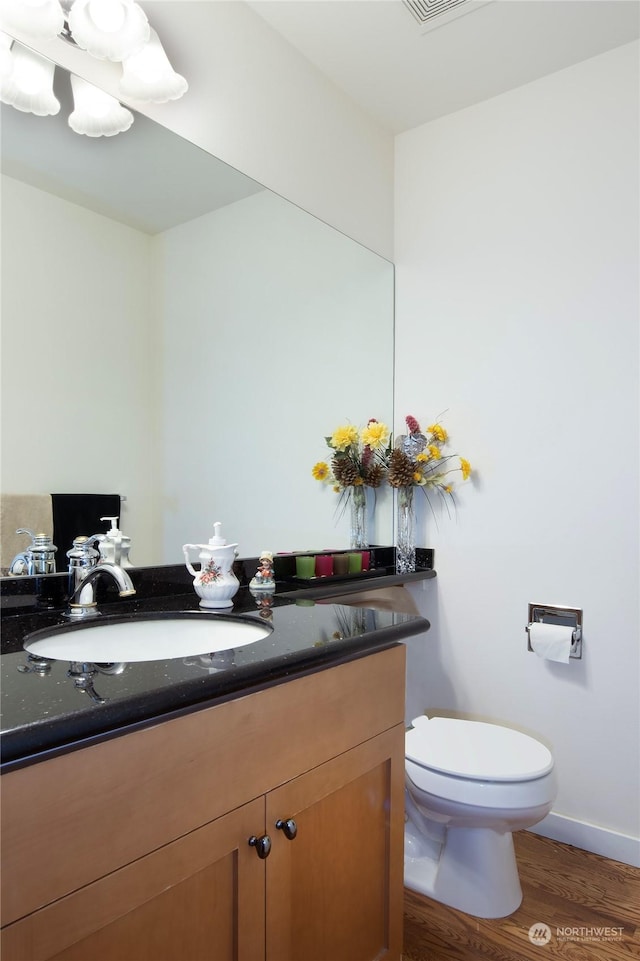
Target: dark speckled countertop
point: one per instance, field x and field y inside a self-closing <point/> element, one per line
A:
<point x="44" y="712"/>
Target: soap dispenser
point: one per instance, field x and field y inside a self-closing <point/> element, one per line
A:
<point x="215" y="583"/>
<point x="115" y="546"/>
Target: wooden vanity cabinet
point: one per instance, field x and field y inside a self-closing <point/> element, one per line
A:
<point x="193" y="899"/>
<point x="334" y="892"/>
<point x="137" y="849"/>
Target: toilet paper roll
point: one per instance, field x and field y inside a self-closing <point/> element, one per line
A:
<point x="551" y="641"/>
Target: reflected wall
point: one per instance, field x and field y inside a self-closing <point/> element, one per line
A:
<point x="276" y="331"/>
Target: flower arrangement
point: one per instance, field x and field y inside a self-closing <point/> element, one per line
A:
<point x="359" y="457"/>
<point x="366" y="458"/>
<point x="418" y="459"/>
<point x="358" y="461"/>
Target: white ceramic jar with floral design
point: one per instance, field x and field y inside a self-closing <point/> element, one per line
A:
<point x="215" y="583"/>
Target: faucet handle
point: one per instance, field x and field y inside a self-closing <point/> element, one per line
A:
<point x="83" y="543"/>
<point x="82" y="554"/>
<point x="23" y="530"/>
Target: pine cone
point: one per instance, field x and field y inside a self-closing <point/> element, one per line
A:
<point x="374" y="476"/>
<point x="344" y="471"/>
<point x="401" y="469"/>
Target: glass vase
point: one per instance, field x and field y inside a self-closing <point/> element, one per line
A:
<point x="358" y="537"/>
<point x="406" y="536"/>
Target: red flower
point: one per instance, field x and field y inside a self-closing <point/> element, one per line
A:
<point x="412" y="425"/>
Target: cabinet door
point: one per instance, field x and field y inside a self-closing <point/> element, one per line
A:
<point x="199" y="898"/>
<point x="334" y="892"/>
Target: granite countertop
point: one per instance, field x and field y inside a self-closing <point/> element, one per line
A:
<point x="46" y="712"/>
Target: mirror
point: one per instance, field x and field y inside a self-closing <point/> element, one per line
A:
<point x="175" y="333"/>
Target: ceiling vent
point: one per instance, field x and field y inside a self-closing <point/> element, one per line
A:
<point x="435" y="13"/>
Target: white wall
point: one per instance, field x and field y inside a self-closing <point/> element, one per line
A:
<point x="276" y="331"/>
<point x="260" y="106"/>
<point x="75" y="293"/>
<point x="517" y="313"/>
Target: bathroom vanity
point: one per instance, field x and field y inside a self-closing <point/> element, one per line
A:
<point x="252" y="812"/>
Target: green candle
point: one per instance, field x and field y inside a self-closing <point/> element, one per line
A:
<point x="355" y="563"/>
<point x="306" y="565"/>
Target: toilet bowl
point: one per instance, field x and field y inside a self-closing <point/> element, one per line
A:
<point x="469" y="785"/>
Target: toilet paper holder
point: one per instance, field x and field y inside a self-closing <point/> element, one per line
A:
<point x="556" y="614"/>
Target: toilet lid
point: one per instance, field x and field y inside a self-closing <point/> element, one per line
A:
<point x="474" y="749"/>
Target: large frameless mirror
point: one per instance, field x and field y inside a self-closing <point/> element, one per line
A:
<point x="177" y="334"/>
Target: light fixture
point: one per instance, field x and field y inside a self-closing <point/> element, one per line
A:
<point x="37" y="19"/>
<point x="116" y="30"/>
<point x="109" y="29"/>
<point x="95" y="113"/>
<point x="149" y="77"/>
<point x="29" y="85"/>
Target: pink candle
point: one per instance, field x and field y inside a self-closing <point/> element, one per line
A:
<point x="324" y="565"/>
<point x="366" y="560"/>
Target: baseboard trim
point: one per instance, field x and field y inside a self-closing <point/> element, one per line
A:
<point x="590" y="837"/>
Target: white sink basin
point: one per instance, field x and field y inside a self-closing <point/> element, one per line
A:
<point x="145" y="637"/>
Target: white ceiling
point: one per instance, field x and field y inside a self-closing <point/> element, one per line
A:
<point x="374" y="50"/>
<point x="381" y="57"/>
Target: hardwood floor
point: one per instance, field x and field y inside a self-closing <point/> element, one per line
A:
<point x="564" y="888"/>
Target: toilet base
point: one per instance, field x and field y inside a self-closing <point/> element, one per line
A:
<point x="476" y="871"/>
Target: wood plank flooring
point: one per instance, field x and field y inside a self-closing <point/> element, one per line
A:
<point x="565" y="888"/>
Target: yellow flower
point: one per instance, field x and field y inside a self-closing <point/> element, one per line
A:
<point x="438" y="432"/>
<point x="448" y="489"/>
<point x="358" y="482"/>
<point x="434" y="451"/>
<point x="417" y="477"/>
<point x="320" y="471"/>
<point x="375" y="435"/>
<point x="422" y="458"/>
<point x="344" y="437"/>
<point x="465" y="467"/>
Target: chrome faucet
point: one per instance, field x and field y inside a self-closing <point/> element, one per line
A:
<point x="38" y="558"/>
<point x="82" y="558"/>
<point x="82" y="602"/>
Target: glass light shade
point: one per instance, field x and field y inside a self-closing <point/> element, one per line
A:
<point x="148" y="75"/>
<point x="6" y="58"/>
<point x="96" y="113"/>
<point x="36" y="19"/>
<point x="109" y="29"/>
<point x="29" y="86"/>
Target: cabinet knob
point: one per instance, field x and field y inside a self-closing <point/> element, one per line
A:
<point x="262" y="845"/>
<point x="288" y="827"/>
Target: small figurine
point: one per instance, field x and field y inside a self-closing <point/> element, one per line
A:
<point x="264" y="579"/>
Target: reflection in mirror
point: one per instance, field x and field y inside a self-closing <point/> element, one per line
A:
<point x="177" y="334"/>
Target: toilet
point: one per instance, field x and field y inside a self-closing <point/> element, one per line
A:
<point x="469" y="785"/>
